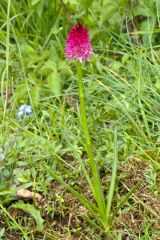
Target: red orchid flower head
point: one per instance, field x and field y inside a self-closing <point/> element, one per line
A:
<point x="78" y="43"/>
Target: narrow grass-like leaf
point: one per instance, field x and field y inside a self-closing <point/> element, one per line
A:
<point x="156" y="164"/>
<point x="124" y="200"/>
<point x="85" y="173"/>
<point x="144" y="119"/>
<point x="137" y="128"/>
<point x="95" y="226"/>
<point x="117" y="75"/>
<point x="87" y="203"/>
<point x="113" y="178"/>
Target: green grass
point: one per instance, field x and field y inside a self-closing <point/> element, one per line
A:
<point x="47" y="153"/>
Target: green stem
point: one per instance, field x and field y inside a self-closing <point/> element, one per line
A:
<point x="7" y="59"/>
<point x="98" y="192"/>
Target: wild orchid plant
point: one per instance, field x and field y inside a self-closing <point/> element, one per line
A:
<point x="78" y="47"/>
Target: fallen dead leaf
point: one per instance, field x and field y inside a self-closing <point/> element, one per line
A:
<point x="26" y="194"/>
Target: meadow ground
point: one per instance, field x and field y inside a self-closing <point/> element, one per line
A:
<point x="47" y="188"/>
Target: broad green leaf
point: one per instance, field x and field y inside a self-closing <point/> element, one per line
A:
<point x="71" y="2"/>
<point x="147" y="28"/>
<point x="29" y="208"/>
<point x="35" y="95"/>
<point x="8" y="192"/>
<point x="54" y="83"/>
<point x="64" y="68"/>
<point x="50" y="65"/>
<point x="34" y="2"/>
<point x="15" y="223"/>
<point x="2" y="231"/>
<point x="21" y="92"/>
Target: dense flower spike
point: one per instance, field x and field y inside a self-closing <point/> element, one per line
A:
<point x="78" y="44"/>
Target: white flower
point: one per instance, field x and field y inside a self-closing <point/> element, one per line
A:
<point x="25" y="111"/>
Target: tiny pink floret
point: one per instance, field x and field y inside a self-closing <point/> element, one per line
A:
<point x="78" y="44"/>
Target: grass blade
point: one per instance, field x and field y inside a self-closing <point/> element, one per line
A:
<point x="155" y="163"/>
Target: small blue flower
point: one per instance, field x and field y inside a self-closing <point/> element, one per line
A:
<point x="25" y="111"/>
